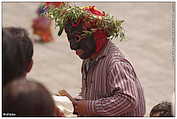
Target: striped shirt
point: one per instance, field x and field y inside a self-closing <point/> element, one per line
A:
<point x="111" y="86"/>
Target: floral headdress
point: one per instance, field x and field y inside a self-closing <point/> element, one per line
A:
<point x="91" y="19"/>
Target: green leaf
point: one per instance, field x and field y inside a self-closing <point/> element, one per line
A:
<point x="60" y="31"/>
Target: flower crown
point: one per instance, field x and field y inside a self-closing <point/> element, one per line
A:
<point x="90" y="18"/>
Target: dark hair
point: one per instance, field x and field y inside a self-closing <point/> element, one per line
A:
<point x="163" y="109"/>
<point x="17" y="51"/>
<point x="27" y="98"/>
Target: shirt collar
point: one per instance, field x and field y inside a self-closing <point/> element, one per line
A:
<point x="88" y="63"/>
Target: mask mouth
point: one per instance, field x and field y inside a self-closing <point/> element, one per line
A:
<point x="79" y="52"/>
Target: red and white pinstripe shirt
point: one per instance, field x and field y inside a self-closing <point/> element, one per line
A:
<point x="111" y="86"/>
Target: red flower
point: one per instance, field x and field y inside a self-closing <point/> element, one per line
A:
<point x="88" y="24"/>
<point x="94" y="11"/>
<point x="100" y="37"/>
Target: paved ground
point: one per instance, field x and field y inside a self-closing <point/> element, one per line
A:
<point x="149" y="47"/>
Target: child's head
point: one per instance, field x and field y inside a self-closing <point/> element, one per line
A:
<point x="17" y="53"/>
<point x="27" y="98"/>
<point x="163" y="109"/>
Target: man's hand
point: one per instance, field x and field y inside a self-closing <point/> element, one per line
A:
<point x="81" y="108"/>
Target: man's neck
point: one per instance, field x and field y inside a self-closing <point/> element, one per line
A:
<point x="94" y="56"/>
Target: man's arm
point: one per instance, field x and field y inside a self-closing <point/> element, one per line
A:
<point x="124" y="93"/>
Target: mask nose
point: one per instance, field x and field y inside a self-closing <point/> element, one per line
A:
<point x="74" y="45"/>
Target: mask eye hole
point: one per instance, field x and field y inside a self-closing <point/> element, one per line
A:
<point x="77" y="37"/>
<point x="74" y="37"/>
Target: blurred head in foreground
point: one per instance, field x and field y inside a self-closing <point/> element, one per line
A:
<point x="27" y="98"/>
<point x="163" y="109"/>
<point x="17" y="53"/>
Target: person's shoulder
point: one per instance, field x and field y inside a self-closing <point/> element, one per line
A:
<point x="115" y="56"/>
<point x="114" y="53"/>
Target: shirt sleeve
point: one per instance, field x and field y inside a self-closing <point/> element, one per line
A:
<point x="123" y="99"/>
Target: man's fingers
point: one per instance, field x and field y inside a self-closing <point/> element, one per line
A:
<point x="75" y="102"/>
<point x="77" y="99"/>
<point x="75" y="108"/>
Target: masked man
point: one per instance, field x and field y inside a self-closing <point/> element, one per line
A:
<point x="110" y="86"/>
